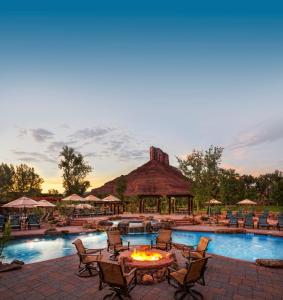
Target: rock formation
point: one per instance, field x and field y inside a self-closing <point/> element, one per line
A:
<point x="154" y="178"/>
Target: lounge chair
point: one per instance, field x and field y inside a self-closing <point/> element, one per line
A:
<point x="115" y="243"/>
<point x="2" y="222"/>
<point x="33" y="221"/>
<point x="186" y="278"/>
<point x="120" y="282"/>
<point x="196" y="251"/>
<point x="239" y="214"/>
<point x="233" y="221"/>
<point x="265" y="213"/>
<point x="217" y="211"/>
<point x="280" y="222"/>
<point x="88" y="258"/>
<point x="262" y="222"/>
<point x="15" y="222"/>
<point x="229" y="214"/>
<point x="249" y="222"/>
<point x="163" y="240"/>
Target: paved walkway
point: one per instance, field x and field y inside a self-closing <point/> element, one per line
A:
<point x="55" y="279"/>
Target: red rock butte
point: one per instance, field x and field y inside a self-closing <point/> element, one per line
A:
<point x="154" y="178"/>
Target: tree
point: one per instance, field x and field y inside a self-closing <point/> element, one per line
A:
<point x="202" y="168"/>
<point x="7" y="173"/>
<point x="75" y="170"/>
<point x="26" y="181"/>
<point x="277" y="192"/>
<point x="121" y="186"/>
<point x="53" y="192"/>
<point x="229" y="186"/>
<point x="4" y="239"/>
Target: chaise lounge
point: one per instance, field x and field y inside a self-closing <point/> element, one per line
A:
<point x="262" y="222"/>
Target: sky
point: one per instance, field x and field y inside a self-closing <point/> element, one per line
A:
<point x="111" y="78"/>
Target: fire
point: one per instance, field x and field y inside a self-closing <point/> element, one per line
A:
<point x="145" y="255"/>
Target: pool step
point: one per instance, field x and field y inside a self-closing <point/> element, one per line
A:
<point x="182" y="222"/>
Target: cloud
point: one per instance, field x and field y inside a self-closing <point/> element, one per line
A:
<point x="41" y="134"/>
<point x="261" y="134"/>
<point x="90" y="133"/>
<point x="56" y="147"/>
<point x="22" y="132"/>
<point x="33" y="157"/>
<point x="136" y="154"/>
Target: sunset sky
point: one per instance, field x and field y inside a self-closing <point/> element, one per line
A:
<point x="112" y="78"/>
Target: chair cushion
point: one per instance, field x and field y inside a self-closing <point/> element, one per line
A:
<point x="161" y="246"/>
<point x="193" y="254"/>
<point x="179" y="275"/>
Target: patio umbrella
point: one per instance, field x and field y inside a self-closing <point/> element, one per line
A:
<point x="73" y="197"/>
<point x="212" y="202"/>
<point x="111" y="198"/>
<point x="247" y="202"/>
<point x="83" y="206"/>
<point x="92" y="198"/>
<point x="45" y="203"/>
<point x="22" y="202"/>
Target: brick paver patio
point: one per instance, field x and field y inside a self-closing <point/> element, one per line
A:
<point x="55" y="279"/>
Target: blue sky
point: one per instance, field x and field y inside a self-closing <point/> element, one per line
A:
<point x="113" y="78"/>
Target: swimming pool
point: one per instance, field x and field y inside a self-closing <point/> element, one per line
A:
<point x="247" y="247"/>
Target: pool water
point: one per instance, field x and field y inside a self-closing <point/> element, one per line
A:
<point x="247" y="247"/>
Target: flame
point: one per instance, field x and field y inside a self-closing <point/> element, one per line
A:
<point x="145" y="255"/>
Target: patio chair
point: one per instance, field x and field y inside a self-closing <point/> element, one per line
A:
<point x="88" y="258"/>
<point x="233" y="221"/>
<point x="163" y="240"/>
<point x="2" y="222"/>
<point x="262" y="222"/>
<point x="185" y="279"/>
<point x="120" y="283"/>
<point x="249" y="222"/>
<point x="196" y="251"/>
<point x="280" y="222"/>
<point x="33" y="221"/>
<point x="115" y="243"/>
<point x="15" y="222"/>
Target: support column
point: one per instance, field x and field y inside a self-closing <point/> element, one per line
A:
<point x="169" y="205"/>
<point x="140" y="205"/>
<point x="158" y="205"/>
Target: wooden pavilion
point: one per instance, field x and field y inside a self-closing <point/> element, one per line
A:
<point x="157" y="180"/>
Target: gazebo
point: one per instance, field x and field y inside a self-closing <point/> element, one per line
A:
<point x="156" y="179"/>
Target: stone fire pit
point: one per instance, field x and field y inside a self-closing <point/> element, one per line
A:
<point x="153" y="262"/>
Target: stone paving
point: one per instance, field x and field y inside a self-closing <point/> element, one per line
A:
<point x="55" y="279"/>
